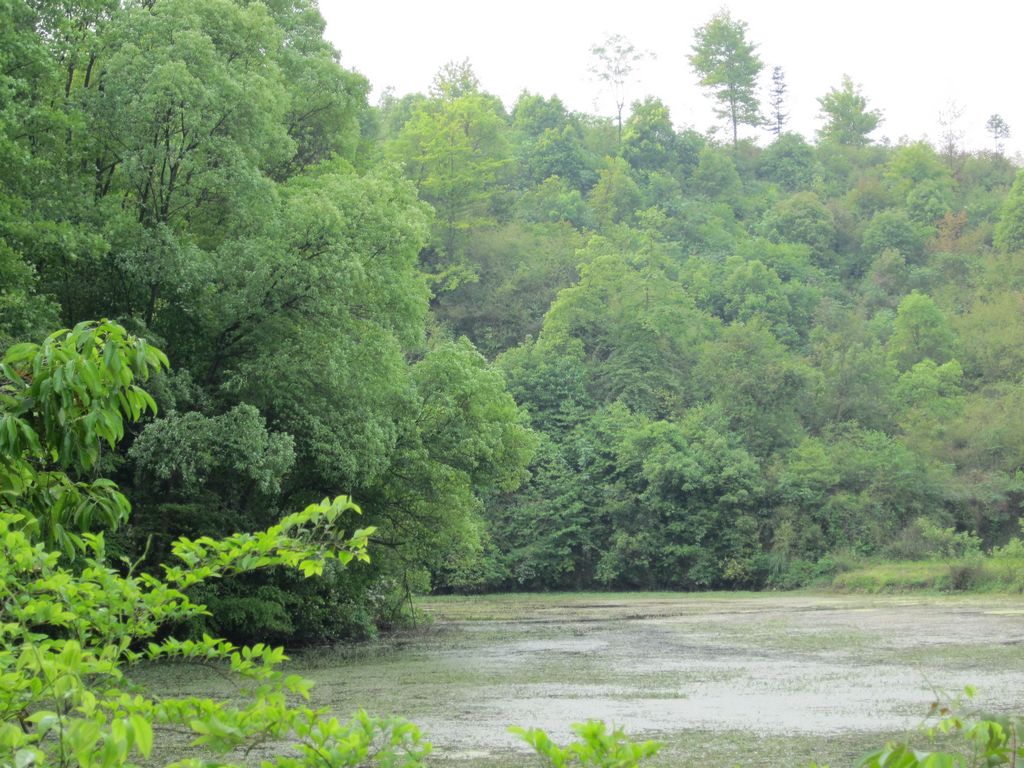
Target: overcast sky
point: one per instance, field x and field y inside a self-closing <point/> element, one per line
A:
<point x="913" y="60"/>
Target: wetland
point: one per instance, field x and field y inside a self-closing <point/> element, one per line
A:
<point x="721" y="679"/>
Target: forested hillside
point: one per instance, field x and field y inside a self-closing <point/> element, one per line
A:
<point x="541" y="349"/>
<point x="197" y="170"/>
<point x="742" y="360"/>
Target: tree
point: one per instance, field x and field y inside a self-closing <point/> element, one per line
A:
<point x="1009" y="234"/>
<point x="893" y="228"/>
<point x="951" y="134"/>
<point x="616" y="58"/>
<point x="920" y="332"/>
<point x="691" y="497"/>
<point x="74" y="623"/>
<point x="454" y="80"/>
<point x="728" y="66"/>
<point x="550" y="142"/>
<point x="848" y="121"/>
<point x="616" y="196"/>
<point x="716" y="176"/>
<point x="199" y="168"/>
<point x="60" y="402"/>
<point x="999" y="130"/>
<point x="777" y="100"/>
<point x="639" y="329"/>
<point x="453" y="148"/>
<point x="760" y="386"/>
<point x="802" y="218"/>
<point x="789" y="162"/>
<point x="649" y="141"/>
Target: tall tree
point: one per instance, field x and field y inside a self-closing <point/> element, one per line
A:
<point x="951" y="135"/>
<point x="777" y="101"/>
<point x="615" y="59"/>
<point x="453" y="147"/>
<point x="728" y="66"/>
<point x="847" y="117"/>
<point x="999" y="130"/>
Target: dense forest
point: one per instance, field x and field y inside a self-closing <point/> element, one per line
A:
<point x="541" y="349"/>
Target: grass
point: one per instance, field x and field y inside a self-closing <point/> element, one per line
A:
<point x="990" y="574"/>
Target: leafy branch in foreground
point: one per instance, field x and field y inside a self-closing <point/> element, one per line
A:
<point x="60" y="402"/>
<point x="976" y="740"/>
<point x="984" y="740"/>
<point x="73" y="626"/>
<point x="596" y="746"/>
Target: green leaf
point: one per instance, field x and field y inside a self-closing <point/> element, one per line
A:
<point x="143" y="733"/>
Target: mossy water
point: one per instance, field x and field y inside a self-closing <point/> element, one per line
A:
<point x="722" y="679"/>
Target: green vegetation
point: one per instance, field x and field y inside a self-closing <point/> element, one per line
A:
<point x="74" y="621"/>
<point x="544" y="350"/>
<point x="596" y="747"/>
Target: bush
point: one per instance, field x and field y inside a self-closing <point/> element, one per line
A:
<point x="73" y="624"/>
<point x="596" y="747"/>
<point x="986" y="741"/>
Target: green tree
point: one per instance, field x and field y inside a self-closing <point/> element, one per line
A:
<point x="549" y="142"/>
<point x="639" y="329"/>
<point x="856" y="378"/>
<point x="1009" y="233"/>
<point x="759" y="385"/>
<point x="848" y="121"/>
<point x="917" y="176"/>
<point x="893" y="229"/>
<point x="74" y="630"/>
<point x="716" y="176"/>
<point x="728" y="66"/>
<point x="27" y="116"/>
<point x="993" y="336"/>
<point x="61" y="403"/>
<point x="998" y="130"/>
<point x="920" y="332"/>
<point x="521" y="267"/>
<point x="649" y="140"/>
<point x="789" y="162"/>
<point x="777" y="102"/>
<point x="690" y="517"/>
<point x="616" y="59"/>
<point x="803" y="218"/>
<point x="616" y="196"/>
<point x="453" y="148"/>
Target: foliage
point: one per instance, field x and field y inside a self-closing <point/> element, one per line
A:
<point x="71" y="638"/>
<point x="777" y="102"/>
<point x="596" y="747"/>
<point x="728" y="66"/>
<point x="984" y="740"/>
<point x="1009" y="233"/>
<point x="616" y="58"/>
<point x="60" y="402"/>
<point x="848" y="121"/>
<point x="74" y="624"/>
<point x="732" y="363"/>
<point x="920" y="332"/>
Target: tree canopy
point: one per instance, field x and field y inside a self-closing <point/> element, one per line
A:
<point x="539" y="351"/>
<point x="728" y="66"/>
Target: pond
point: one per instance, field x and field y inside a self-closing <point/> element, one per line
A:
<point x="748" y="679"/>
<point x="722" y="679"/>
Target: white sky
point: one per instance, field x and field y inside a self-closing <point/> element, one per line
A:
<point x="912" y="59"/>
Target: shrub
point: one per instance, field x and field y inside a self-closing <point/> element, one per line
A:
<point x="73" y="624"/>
<point x="986" y="741"/>
<point x="596" y="747"/>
